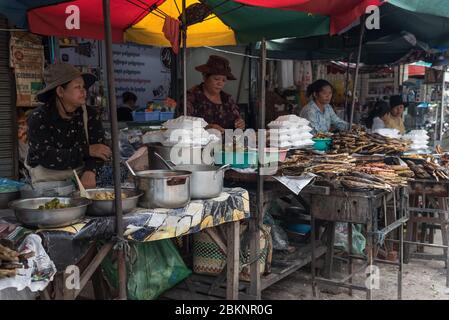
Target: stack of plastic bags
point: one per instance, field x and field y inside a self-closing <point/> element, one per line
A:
<point x="182" y="131"/>
<point x="290" y="131"/>
<point x="387" y="132"/>
<point x="420" y="140"/>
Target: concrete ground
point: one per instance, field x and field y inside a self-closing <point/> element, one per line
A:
<point x="422" y="280"/>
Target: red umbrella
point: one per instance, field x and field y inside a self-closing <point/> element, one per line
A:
<point x="124" y="13"/>
<point x="341" y="12"/>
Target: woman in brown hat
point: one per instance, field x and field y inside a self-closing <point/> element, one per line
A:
<point x="209" y="101"/>
<point x="65" y="134"/>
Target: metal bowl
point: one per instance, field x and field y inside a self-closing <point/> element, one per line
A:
<point x="7" y="197"/>
<point x="107" y="207"/>
<point x="27" y="212"/>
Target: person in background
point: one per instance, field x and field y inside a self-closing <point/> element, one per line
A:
<point x="378" y="115"/>
<point x="395" y="119"/>
<point x="208" y="100"/>
<point x="319" y="111"/>
<point x="125" y="111"/>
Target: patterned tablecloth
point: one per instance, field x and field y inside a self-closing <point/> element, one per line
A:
<point x="142" y="225"/>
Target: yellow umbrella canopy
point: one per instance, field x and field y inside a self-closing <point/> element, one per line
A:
<point x="148" y="31"/>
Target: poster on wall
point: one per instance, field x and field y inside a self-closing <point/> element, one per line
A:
<point x="80" y="52"/>
<point x="142" y="70"/>
<point x="27" y="59"/>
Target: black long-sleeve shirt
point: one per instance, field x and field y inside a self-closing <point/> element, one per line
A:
<point x="60" y="144"/>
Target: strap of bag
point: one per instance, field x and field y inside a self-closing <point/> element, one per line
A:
<point x="85" y="122"/>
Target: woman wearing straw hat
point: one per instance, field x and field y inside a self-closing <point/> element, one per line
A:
<point x="65" y="134"/>
<point x="209" y="101"/>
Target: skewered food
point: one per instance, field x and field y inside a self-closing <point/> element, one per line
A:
<point x="428" y="170"/>
<point x="358" y="141"/>
<point x="11" y="260"/>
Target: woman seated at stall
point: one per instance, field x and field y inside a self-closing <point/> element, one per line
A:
<point x="394" y="120"/>
<point x="378" y="115"/>
<point x="208" y="100"/>
<point x="318" y="111"/>
<point x="65" y="134"/>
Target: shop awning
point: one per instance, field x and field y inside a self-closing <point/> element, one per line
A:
<point x="414" y="71"/>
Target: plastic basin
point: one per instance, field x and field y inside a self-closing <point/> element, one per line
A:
<point x="322" y="144"/>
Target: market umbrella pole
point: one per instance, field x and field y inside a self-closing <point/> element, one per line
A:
<point x="443" y="85"/>
<point x="184" y="55"/>
<point x="347" y="85"/>
<point x="115" y="150"/>
<point x="255" y="223"/>
<point x="356" y="76"/>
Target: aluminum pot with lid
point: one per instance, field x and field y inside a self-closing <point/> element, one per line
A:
<point x="206" y="181"/>
<point x="164" y="188"/>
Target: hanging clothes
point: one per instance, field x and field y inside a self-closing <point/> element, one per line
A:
<point x="171" y="32"/>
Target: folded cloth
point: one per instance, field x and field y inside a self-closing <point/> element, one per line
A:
<point x="171" y="32"/>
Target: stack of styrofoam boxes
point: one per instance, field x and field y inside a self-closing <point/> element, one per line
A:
<point x="187" y="131"/>
<point x="420" y="140"/>
<point x="290" y="131"/>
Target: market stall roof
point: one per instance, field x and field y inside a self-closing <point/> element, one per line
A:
<point x="341" y="12"/>
<point x="15" y="10"/>
<point x="404" y="36"/>
<point x="238" y="23"/>
<point x="141" y="21"/>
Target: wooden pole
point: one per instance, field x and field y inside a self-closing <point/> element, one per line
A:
<point x="356" y="76"/>
<point x="184" y="55"/>
<point x="115" y="149"/>
<point x="256" y="220"/>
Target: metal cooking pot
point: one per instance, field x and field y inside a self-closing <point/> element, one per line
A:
<point x="27" y="212"/>
<point x="206" y="181"/>
<point x="194" y="153"/>
<point x="164" y="188"/>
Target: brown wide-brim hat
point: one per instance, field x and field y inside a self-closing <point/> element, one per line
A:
<point x="217" y="65"/>
<point x="60" y="73"/>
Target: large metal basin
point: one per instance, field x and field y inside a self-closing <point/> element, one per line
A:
<point x="27" y="212"/>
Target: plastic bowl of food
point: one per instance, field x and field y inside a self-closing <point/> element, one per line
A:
<point x="322" y="144"/>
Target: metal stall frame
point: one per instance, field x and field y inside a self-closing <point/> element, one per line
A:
<point x="361" y="208"/>
<point x="426" y="189"/>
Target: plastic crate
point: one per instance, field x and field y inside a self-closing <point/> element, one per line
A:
<point x="164" y="116"/>
<point x="146" y="116"/>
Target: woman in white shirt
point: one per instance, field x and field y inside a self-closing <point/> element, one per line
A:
<point x="380" y="113"/>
